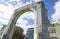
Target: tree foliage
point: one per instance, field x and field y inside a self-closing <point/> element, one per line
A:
<point x="18" y="34"/>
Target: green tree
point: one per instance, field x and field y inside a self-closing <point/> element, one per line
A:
<point x="18" y="34"/>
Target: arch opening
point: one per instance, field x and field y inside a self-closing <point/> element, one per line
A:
<point x="26" y="22"/>
<point x="14" y="19"/>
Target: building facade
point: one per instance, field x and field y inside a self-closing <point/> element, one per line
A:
<point x="54" y="30"/>
<point x="30" y="33"/>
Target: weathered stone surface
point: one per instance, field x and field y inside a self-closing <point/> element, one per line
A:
<point x="41" y="20"/>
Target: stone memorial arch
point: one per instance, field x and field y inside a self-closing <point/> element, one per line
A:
<point x="41" y="20"/>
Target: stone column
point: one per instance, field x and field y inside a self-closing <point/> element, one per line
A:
<point x="41" y="22"/>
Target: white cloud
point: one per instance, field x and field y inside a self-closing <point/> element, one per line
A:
<point x="56" y="15"/>
<point x="3" y="21"/>
<point x="7" y="10"/>
<point x="28" y="15"/>
<point x="13" y="0"/>
<point x="22" y="23"/>
<point x="38" y="0"/>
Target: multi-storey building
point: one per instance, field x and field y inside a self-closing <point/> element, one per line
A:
<point x="30" y="33"/>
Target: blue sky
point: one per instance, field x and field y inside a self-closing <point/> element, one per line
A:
<point x="7" y="8"/>
<point x="49" y="4"/>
